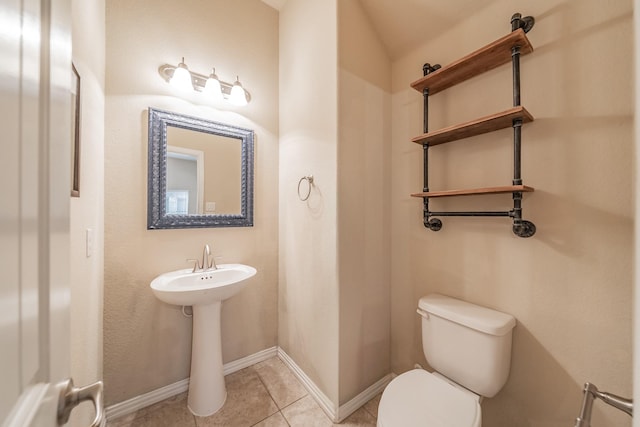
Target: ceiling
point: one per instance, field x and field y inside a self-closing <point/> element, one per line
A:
<point x="276" y="4"/>
<point x="405" y="24"/>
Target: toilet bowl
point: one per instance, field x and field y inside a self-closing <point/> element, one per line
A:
<point x="419" y="399"/>
<point x="469" y="347"/>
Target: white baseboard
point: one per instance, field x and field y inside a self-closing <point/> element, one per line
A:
<point x="136" y="403"/>
<point x="369" y="393"/>
<point x="323" y="401"/>
<point x="142" y="401"/>
<point x="336" y="415"/>
<point x="250" y="360"/>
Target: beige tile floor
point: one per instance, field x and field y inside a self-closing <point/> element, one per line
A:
<point x="263" y="395"/>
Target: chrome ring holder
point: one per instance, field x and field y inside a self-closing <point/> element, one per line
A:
<point x="309" y="180"/>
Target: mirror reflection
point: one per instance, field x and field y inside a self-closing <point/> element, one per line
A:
<point x="203" y="173"/>
<point x="200" y="173"/>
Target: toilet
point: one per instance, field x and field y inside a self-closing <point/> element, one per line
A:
<point x="469" y="347"/>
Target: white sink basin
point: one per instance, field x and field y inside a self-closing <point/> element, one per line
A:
<point x="205" y="291"/>
<point x="183" y="287"/>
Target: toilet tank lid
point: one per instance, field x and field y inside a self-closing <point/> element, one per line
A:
<point x="470" y="315"/>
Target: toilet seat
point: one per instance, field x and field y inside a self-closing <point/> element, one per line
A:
<point x="420" y="399"/>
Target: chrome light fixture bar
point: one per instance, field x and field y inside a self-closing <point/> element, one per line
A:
<point x="229" y="91"/>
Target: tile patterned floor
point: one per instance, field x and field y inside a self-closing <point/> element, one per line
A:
<point x="263" y="395"/>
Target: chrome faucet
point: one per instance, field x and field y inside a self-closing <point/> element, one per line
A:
<point x="591" y="392"/>
<point x="196" y="265"/>
<point x="208" y="261"/>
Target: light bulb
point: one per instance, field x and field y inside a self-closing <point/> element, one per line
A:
<point x="212" y="87"/>
<point x="238" y="95"/>
<point x="182" y="77"/>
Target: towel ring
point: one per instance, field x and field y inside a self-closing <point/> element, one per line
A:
<point x="310" y="183"/>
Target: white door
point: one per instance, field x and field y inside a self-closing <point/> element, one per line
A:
<point x="35" y="123"/>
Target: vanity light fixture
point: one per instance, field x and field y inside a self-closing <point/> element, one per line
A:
<point x="238" y="96"/>
<point x="211" y="86"/>
<point x="181" y="77"/>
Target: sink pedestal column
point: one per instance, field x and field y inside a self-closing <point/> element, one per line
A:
<point x="207" y="391"/>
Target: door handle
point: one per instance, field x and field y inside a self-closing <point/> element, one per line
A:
<point x="71" y="396"/>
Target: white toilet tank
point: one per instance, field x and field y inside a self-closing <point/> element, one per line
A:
<point x="467" y="343"/>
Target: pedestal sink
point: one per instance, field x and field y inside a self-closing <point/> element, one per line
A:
<point x="205" y="291"/>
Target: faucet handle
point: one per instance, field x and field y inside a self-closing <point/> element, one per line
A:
<point x="196" y="265"/>
<point x="214" y="262"/>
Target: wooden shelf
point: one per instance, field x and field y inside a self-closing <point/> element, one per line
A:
<point x="479" y="126"/>
<point x="478" y="62"/>
<point x="476" y="191"/>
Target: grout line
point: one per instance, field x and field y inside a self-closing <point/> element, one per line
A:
<point x="297" y="400"/>
<point x="277" y="412"/>
<point x="270" y="395"/>
<point x="313" y="400"/>
<point x="259" y="421"/>
<point x="367" y="409"/>
<point x="263" y="381"/>
<point x="369" y="412"/>
<point x="264" y="384"/>
<point x="318" y="396"/>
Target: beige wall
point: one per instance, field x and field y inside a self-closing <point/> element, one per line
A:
<point x="87" y="211"/>
<point x="334" y="252"/>
<point x="569" y="286"/>
<point x="636" y="258"/>
<point x="308" y="287"/>
<point x="364" y="183"/>
<point x="146" y="342"/>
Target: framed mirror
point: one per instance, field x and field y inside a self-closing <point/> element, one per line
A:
<point x="200" y="173"/>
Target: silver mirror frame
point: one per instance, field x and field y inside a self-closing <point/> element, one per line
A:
<point x="157" y="217"/>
